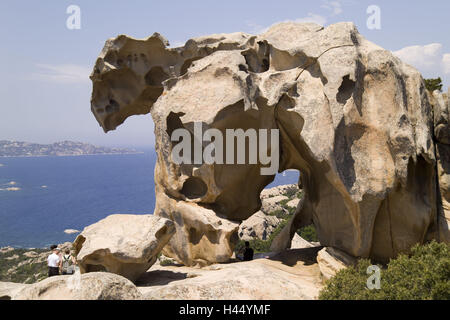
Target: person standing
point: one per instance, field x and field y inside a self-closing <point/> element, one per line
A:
<point x="248" y="252"/>
<point x="68" y="263"/>
<point x="54" y="261"/>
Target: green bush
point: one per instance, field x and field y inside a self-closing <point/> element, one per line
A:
<point x="166" y="262"/>
<point x="424" y="274"/>
<point x="308" y="233"/>
<point x="433" y="84"/>
<point x="291" y="192"/>
<point x="23" y="269"/>
<point x="291" y="210"/>
<point x="256" y="244"/>
<point x="280" y="214"/>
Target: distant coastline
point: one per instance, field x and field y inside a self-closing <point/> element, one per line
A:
<point x="74" y="155"/>
<point x="14" y="149"/>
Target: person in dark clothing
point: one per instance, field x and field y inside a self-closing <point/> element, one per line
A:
<point x="248" y="252"/>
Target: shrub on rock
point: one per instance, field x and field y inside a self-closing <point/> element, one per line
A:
<point x="424" y="274"/>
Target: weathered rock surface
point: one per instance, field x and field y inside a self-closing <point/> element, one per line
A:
<point x="272" y="204"/>
<point x="90" y="286"/>
<point x="8" y="290"/>
<point x="263" y="223"/>
<point x="300" y="243"/>
<point x="331" y="260"/>
<point x="6" y="249"/>
<point x="279" y="190"/>
<point x="123" y="244"/>
<point x="201" y="236"/>
<point x="354" y="119"/>
<point x="441" y="105"/>
<point x="293" y="203"/>
<point x="294" y="274"/>
<point x="258" y="226"/>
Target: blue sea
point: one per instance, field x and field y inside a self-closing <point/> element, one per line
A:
<point x="40" y="197"/>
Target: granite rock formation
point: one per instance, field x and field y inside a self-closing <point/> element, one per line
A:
<point x="353" y="119"/>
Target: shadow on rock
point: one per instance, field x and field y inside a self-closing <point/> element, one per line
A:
<point x="291" y="257"/>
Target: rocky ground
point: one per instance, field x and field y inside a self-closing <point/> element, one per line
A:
<point x="29" y="265"/>
<point x="291" y="274"/>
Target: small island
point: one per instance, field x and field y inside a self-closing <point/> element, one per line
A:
<point x="64" y="148"/>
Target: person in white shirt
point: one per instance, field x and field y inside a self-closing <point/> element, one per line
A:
<point x="54" y="261"/>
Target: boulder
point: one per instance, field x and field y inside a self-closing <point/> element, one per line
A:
<point x="272" y="204"/>
<point x="331" y="260"/>
<point x="258" y="226"/>
<point x="6" y="249"/>
<point x="123" y="244"/>
<point x="293" y="203"/>
<point x="201" y="236"/>
<point x="300" y="243"/>
<point x="90" y="286"/>
<point x="352" y="118"/>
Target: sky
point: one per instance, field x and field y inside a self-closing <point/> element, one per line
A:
<point x="45" y="88"/>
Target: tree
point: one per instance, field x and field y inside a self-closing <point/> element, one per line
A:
<point x="433" y="84"/>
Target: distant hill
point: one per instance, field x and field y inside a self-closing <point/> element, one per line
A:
<point x="64" y="148"/>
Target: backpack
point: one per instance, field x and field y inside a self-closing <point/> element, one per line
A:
<point x="67" y="264"/>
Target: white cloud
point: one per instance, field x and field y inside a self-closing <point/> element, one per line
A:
<point x="177" y="44"/>
<point x="334" y="6"/>
<point x="311" y="17"/>
<point x="256" y="28"/>
<point x="428" y="59"/>
<point x="64" y="73"/>
<point x="446" y="62"/>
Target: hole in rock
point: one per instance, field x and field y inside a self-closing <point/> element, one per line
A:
<point x="95" y="268"/>
<point x="173" y="122"/>
<point x="285" y="207"/>
<point x="280" y="197"/>
<point x="345" y="90"/>
<point x="258" y="60"/>
<point x="186" y="65"/>
<point x="242" y="68"/>
<point x="155" y="76"/>
<point x="194" y="188"/>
